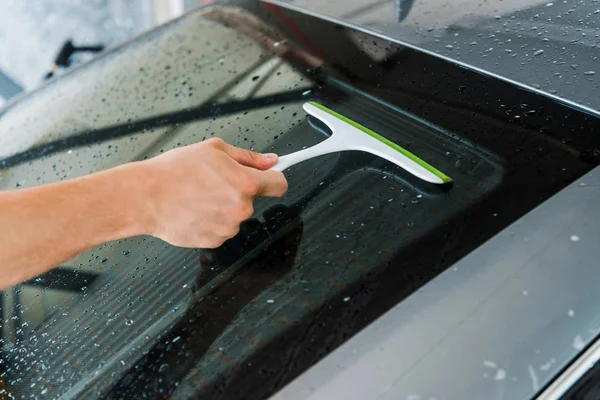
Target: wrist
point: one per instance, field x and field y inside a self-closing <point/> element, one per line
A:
<point x="117" y="201"/>
<point x="133" y="182"/>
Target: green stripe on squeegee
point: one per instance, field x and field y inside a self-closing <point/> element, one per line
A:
<point x="445" y="178"/>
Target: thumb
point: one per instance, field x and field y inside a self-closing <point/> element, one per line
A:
<point x="250" y="158"/>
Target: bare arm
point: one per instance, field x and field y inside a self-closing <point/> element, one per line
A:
<point x="195" y="196"/>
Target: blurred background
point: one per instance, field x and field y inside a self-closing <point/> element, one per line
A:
<point x="33" y="32"/>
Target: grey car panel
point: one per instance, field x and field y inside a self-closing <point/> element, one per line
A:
<point x="500" y="324"/>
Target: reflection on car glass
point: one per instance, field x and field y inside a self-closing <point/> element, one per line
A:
<point x="354" y="236"/>
<point x="149" y="288"/>
<point x="84" y="324"/>
<point x="132" y="128"/>
<point x="187" y="342"/>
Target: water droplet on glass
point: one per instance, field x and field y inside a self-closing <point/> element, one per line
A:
<point x="270" y="301"/>
<point x="538" y="52"/>
<point x="129" y="322"/>
<point x="176" y="339"/>
<point x="500" y="375"/>
<point x="571" y="313"/>
<point x="578" y="343"/>
<point x="346" y="299"/>
<point x="546" y="366"/>
<point x="574" y="238"/>
<point x="549" y="4"/>
<point x="416" y="199"/>
<point x="535" y="382"/>
<point x="589" y="73"/>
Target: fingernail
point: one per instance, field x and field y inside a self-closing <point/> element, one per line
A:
<point x="271" y="156"/>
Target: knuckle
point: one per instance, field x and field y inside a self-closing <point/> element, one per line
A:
<point x="249" y="186"/>
<point x="216" y="142"/>
<point x="245" y="210"/>
<point x="234" y="231"/>
<point x="214" y="239"/>
<point x="213" y="243"/>
<point x="284" y="184"/>
<point x="228" y="231"/>
<point x="250" y="155"/>
<point x="279" y="185"/>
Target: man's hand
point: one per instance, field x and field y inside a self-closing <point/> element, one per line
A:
<point x="197" y="196"/>
<point x="194" y="196"/>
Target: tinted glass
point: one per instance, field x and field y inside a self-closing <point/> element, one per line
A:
<point x="81" y="326"/>
<point x="353" y="236"/>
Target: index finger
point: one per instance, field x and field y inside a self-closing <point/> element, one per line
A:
<point x="271" y="183"/>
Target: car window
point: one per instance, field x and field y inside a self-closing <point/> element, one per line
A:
<point x="183" y="83"/>
<point x="354" y="235"/>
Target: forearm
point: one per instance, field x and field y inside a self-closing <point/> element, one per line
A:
<point x="44" y="226"/>
<point x="194" y="196"/>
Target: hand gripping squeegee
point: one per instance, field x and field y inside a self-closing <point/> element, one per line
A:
<point x="349" y="135"/>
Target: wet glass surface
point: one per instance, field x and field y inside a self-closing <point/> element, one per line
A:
<point x="354" y="235"/>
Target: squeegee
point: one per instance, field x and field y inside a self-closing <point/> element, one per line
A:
<point x="349" y="135"/>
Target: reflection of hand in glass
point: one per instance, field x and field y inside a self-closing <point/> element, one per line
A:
<point x="212" y="315"/>
<point x="252" y="233"/>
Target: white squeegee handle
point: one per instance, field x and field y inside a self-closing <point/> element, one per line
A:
<point x="346" y="136"/>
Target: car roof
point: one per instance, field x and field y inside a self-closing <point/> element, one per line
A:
<point x="545" y="45"/>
